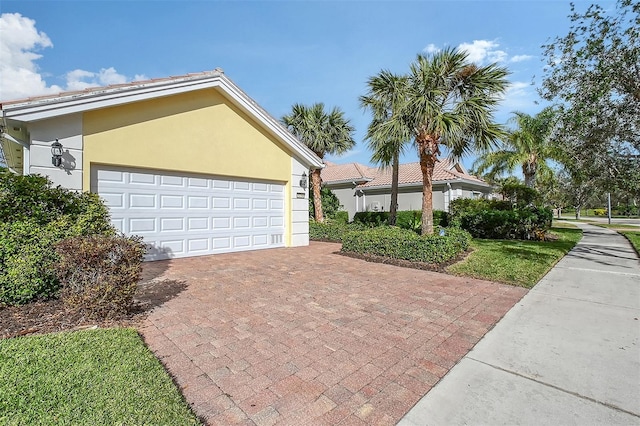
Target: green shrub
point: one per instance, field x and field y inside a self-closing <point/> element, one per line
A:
<point x="495" y="219"/>
<point x="34" y="216"/>
<point x="99" y="273"/>
<point x="27" y="259"/>
<point x="462" y="206"/>
<point x="599" y="212"/>
<point x="330" y="202"/>
<point x="341" y="216"/>
<point x="519" y="194"/>
<point x="412" y="219"/>
<point x="372" y="218"/>
<point x="529" y="223"/>
<point x="331" y="230"/>
<point x="397" y="243"/>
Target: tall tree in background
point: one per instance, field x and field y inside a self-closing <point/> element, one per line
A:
<point x="324" y="133"/>
<point x="449" y="101"/>
<point x="387" y="138"/>
<point x="527" y="146"/>
<point x="592" y="75"/>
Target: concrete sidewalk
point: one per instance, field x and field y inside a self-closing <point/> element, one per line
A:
<point x="568" y="353"/>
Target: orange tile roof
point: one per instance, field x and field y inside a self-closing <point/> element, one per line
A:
<point x="377" y="176"/>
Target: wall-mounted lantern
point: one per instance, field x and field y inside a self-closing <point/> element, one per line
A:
<point x="303" y="180"/>
<point x="56" y="153"/>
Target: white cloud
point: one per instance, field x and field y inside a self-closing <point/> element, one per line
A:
<point x="481" y="51"/>
<point x="431" y="48"/>
<point x="520" y="58"/>
<point x="81" y="79"/>
<point x="521" y="96"/>
<point x="20" y="45"/>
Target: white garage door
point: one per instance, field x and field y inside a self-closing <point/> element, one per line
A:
<point x="190" y="215"/>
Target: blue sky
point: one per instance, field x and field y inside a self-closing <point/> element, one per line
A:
<point x="279" y="52"/>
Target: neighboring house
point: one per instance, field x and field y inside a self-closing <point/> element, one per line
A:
<point x="360" y="188"/>
<point x="190" y="163"/>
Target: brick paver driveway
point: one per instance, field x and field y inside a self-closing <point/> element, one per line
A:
<point x="304" y="336"/>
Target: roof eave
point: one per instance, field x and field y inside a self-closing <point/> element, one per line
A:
<point x="77" y="102"/>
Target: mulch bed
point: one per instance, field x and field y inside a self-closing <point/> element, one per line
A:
<point x="435" y="267"/>
<point x="52" y="316"/>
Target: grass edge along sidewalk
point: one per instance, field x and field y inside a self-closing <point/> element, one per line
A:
<point x="516" y="262"/>
<point x="90" y="377"/>
<point x="633" y="237"/>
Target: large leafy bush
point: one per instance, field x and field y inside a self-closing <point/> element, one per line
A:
<point x="500" y="219"/>
<point x="34" y="216"/>
<point x="397" y="243"/>
<point x="99" y="273"/>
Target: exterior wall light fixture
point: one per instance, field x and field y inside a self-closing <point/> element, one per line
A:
<point x="56" y="153"/>
<point x="303" y="180"/>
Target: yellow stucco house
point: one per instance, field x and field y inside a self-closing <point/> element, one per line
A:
<point x="190" y="163"/>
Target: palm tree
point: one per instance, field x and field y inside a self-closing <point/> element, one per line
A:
<point x="386" y="94"/>
<point x="527" y="146"/>
<point x="449" y="101"/>
<point x="324" y="133"/>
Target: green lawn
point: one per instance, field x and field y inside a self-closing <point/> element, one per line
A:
<point x="93" y="377"/>
<point x="521" y="263"/>
<point x="634" y="238"/>
<point x="617" y="226"/>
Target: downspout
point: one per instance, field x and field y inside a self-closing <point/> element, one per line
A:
<point x="449" y="196"/>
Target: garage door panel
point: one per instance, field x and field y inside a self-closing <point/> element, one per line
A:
<point x="172" y="181"/>
<point x="172" y="201"/>
<point x="142" y="225"/>
<point x="142" y="179"/>
<point x="261" y="187"/>
<point x="241" y="203"/>
<point x="184" y="215"/>
<point x="198" y="223"/>
<point x="221" y="243"/>
<point x="221" y="223"/>
<point x="113" y="200"/>
<point x="197" y="202"/>
<point x="197" y="183"/>
<point x="111" y="176"/>
<point x="221" y="184"/>
<point x="242" y="241"/>
<point x="260" y="204"/>
<point x="241" y="186"/>
<point x="221" y="203"/>
<point x="142" y="201"/>
<point x="198" y="245"/>
<point x="169" y="224"/>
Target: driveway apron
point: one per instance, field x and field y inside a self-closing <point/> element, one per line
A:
<point x="306" y="336"/>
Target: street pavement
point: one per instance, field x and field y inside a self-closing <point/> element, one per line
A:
<point x="567" y="354"/>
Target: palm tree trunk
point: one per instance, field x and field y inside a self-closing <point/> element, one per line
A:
<point x="395" y="175"/>
<point x="428" y="147"/>
<point x="529" y="175"/>
<point x="316" y="182"/>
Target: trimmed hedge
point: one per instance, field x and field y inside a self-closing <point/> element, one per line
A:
<point x="397" y="243"/>
<point x="406" y="219"/>
<point x="492" y="219"/>
<point x="331" y="230"/>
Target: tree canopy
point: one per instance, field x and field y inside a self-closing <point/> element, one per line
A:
<point x="528" y="146"/>
<point x="324" y="133"/>
<point x="593" y="77"/>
